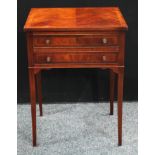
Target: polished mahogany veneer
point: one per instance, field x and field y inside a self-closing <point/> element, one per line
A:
<point x="80" y="40"/>
<point x="92" y="37"/>
<point x="45" y="19"/>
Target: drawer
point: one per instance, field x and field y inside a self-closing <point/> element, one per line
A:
<point x="75" y="58"/>
<point x="78" y="40"/>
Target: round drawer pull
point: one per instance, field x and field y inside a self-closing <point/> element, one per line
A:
<point x="47" y="41"/>
<point x="104" y="40"/>
<point x="104" y="58"/>
<point x="48" y="59"/>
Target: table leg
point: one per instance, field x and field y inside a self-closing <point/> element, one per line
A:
<point x="120" y="100"/>
<point x="39" y="88"/>
<point x="112" y="86"/>
<point x="33" y="103"/>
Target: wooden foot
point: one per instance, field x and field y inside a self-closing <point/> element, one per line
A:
<point x="33" y="104"/>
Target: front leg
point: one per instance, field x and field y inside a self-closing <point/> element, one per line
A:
<point x="33" y="103"/>
<point x="112" y="87"/>
<point x="39" y="91"/>
<point x="120" y="100"/>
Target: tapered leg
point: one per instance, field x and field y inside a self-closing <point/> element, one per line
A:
<point x="120" y="100"/>
<point x="39" y="91"/>
<point x="112" y="86"/>
<point x="33" y="104"/>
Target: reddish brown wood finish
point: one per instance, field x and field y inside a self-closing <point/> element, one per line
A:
<point x="63" y="19"/>
<point x="75" y="58"/>
<point x="39" y="91"/>
<point x="120" y="100"/>
<point x="80" y="40"/>
<point x="102" y="49"/>
<point x="112" y="84"/>
<point x="75" y="38"/>
<point x="33" y="104"/>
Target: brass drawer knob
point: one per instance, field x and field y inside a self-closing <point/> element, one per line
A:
<point x="104" y="40"/>
<point x="47" y="41"/>
<point x="104" y="58"/>
<point x="48" y="59"/>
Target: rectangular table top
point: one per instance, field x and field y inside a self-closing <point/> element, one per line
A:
<point x="60" y="19"/>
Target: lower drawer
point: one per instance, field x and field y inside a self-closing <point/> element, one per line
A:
<point x="41" y="58"/>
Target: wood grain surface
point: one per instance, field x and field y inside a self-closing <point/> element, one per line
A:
<point x="57" y="19"/>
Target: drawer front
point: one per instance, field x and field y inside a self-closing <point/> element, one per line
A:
<point x="75" y="58"/>
<point x="79" y="40"/>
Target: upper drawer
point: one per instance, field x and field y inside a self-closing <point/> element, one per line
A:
<point x="79" y="40"/>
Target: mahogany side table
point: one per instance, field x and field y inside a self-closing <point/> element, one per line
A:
<point x="92" y="37"/>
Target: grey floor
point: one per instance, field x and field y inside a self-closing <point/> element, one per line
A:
<point x="78" y="129"/>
